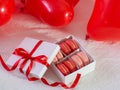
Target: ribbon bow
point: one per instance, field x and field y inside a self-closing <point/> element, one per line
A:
<point x="28" y="56"/>
<point x="25" y="56"/>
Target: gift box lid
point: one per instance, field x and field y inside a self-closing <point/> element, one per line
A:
<point x="45" y="48"/>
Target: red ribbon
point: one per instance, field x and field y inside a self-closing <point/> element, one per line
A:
<point x="25" y="56"/>
<point x="75" y="82"/>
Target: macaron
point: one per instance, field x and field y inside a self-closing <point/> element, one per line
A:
<point x="55" y="60"/>
<point x="70" y="65"/>
<point x="63" y="69"/>
<point x="77" y="60"/>
<point x="84" y="57"/>
<point x="65" y="48"/>
<point x="72" y="44"/>
<point x="59" y="55"/>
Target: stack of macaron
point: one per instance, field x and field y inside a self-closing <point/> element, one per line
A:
<point x="81" y="59"/>
<point x="75" y="62"/>
<point x="58" y="57"/>
<point x="66" y="67"/>
<point x="68" y="46"/>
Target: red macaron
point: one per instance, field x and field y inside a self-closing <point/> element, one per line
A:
<point x="72" y="44"/>
<point x="70" y="65"/>
<point x="68" y="46"/>
<point x="65" y="48"/>
<point x="63" y="69"/>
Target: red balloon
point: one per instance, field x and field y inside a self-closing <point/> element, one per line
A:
<point x="6" y="10"/>
<point x="104" y="23"/>
<point x="52" y="12"/>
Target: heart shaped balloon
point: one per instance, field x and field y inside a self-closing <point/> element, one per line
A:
<point x="52" y="12"/>
<point x="6" y="10"/>
<point x="104" y="23"/>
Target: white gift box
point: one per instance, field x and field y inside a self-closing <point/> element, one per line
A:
<point x="83" y="71"/>
<point x="48" y="49"/>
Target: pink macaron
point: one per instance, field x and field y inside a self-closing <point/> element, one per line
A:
<point x="77" y="60"/>
<point x="59" y="55"/>
<point x="83" y="57"/>
<point x="55" y="60"/>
